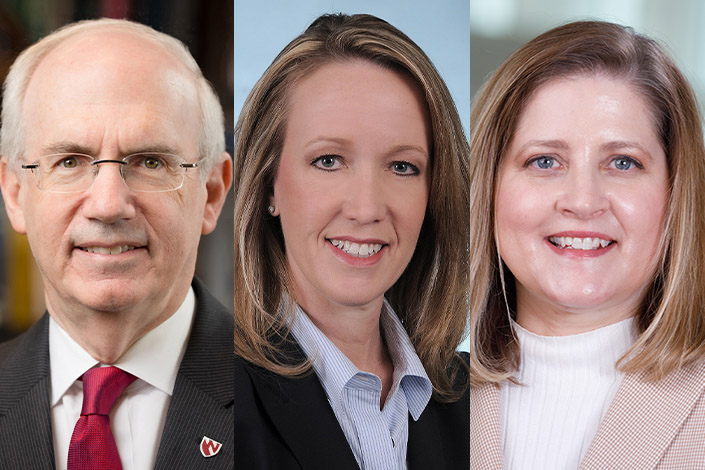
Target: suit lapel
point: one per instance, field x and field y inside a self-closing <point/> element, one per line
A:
<point x="425" y="446"/>
<point x="299" y="409"/>
<point x="440" y="438"/>
<point x="644" y="418"/>
<point x="25" y="413"/>
<point x="202" y="402"/>
<point x="485" y="428"/>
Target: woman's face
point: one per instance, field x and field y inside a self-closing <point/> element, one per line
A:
<point x="580" y="204"/>
<point x="352" y="183"/>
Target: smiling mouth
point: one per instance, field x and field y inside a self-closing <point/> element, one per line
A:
<point x="358" y="250"/>
<point x="104" y="250"/>
<point x="576" y="243"/>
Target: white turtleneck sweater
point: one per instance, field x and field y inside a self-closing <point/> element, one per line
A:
<point x="567" y="385"/>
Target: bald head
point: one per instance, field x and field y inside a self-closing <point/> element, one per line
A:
<point x="103" y="58"/>
<point x="111" y="93"/>
<point x="116" y="61"/>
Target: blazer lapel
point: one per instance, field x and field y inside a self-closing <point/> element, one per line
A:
<point x="440" y="438"/>
<point x="299" y="409"/>
<point x="643" y="419"/>
<point x="25" y="413"/>
<point x="425" y="447"/>
<point x="486" y="428"/>
<point x="202" y="401"/>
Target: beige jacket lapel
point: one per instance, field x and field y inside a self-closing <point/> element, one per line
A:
<point x="644" y="419"/>
<point x="485" y="428"/>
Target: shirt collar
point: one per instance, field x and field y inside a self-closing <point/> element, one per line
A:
<point x="154" y="358"/>
<point x="408" y="369"/>
<point x="335" y="370"/>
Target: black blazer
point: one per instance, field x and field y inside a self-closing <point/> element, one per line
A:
<point x="201" y="404"/>
<point x="286" y="423"/>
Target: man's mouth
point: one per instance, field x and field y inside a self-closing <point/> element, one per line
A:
<point x="576" y="243"/>
<point x="105" y="250"/>
<point x="358" y="250"/>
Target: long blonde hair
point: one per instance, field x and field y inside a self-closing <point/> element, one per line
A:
<point x="672" y="317"/>
<point x="431" y="295"/>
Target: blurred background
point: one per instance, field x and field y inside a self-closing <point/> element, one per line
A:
<point x="499" y="27"/>
<point x="206" y="27"/>
<point x="441" y="28"/>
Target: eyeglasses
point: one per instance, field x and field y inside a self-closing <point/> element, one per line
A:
<point x="74" y="172"/>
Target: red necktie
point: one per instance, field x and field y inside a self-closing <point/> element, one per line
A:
<point x="92" y="444"/>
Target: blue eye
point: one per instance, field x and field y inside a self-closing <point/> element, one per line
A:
<point x="327" y="162"/>
<point x="623" y="163"/>
<point x="403" y="168"/>
<point x="543" y="162"/>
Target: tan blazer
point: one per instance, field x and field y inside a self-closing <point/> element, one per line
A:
<point x="648" y="425"/>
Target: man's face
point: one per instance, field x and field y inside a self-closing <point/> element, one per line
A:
<point x="109" y="95"/>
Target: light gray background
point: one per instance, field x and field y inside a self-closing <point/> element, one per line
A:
<point x="499" y="27"/>
<point x="441" y="28"/>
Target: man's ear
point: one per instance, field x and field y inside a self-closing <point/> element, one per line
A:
<point x="217" y="185"/>
<point x="10" y="186"/>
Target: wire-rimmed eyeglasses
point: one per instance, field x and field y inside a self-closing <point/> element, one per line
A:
<point x="75" y="172"/>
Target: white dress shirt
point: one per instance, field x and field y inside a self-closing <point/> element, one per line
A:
<point x="378" y="439"/>
<point x="137" y="418"/>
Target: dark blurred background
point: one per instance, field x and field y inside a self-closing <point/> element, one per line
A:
<point x="206" y="27"/>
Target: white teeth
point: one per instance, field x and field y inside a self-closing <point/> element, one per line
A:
<point x="103" y="250"/>
<point x="580" y="243"/>
<point x="359" y="250"/>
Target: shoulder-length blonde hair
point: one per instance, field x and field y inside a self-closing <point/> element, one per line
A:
<point x="672" y="317"/>
<point x="431" y="295"/>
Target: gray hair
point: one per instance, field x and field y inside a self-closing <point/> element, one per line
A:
<point x="212" y="128"/>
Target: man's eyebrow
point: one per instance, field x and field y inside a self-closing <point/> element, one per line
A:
<point x="158" y="148"/>
<point x="65" y="147"/>
<point x="72" y="147"/>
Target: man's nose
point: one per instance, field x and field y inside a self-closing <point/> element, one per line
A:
<point x="108" y="199"/>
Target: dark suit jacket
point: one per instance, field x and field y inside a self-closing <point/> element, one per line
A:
<point x="286" y="423"/>
<point x="201" y="404"/>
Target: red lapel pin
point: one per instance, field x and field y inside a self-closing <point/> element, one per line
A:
<point x="210" y="447"/>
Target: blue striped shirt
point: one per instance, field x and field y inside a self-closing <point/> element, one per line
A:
<point x="378" y="439"/>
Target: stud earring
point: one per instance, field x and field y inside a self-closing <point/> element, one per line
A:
<point x="271" y="209"/>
